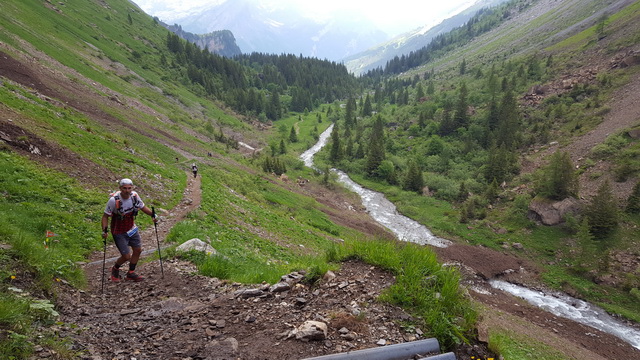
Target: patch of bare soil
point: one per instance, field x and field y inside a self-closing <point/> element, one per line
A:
<point x="50" y="154"/>
<point x="68" y="89"/>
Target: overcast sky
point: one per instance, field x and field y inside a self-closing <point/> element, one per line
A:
<point x="392" y="16"/>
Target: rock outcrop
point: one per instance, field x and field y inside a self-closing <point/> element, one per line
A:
<point x="553" y="213"/>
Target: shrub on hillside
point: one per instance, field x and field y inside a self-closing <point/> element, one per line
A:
<point x="602" y="212"/>
<point x="558" y="179"/>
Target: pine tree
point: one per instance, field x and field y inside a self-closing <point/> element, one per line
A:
<point x="414" y="180"/>
<point x="336" y="147"/>
<point x="367" y="110"/>
<point x="602" y="212"/>
<point x="377" y="96"/>
<point x="464" y="213"/>
<point x="349" y="149"/>
<point x="419" y="93"/>
<point x="600" y="26"/>
<point x="508" y="125"/>
<point x="325" y="177"/>
<point x="422" y="120"/>
<point x="447" y="125"/>
<point x="463" y="193"/>
<point x="266" y="165"/>
<point x="376" y="151"/>
<point x="492" y="81"/>
<point x="349" y="114"/>
<point x="633" y="202"/>
<point x="583" y="233"/>
<point x="278" y="167"/>
<point x="359" y="152"/>
<point x="274" y="108"/>
<point x="293" y="136"/>
<point x="559" y="178"/>
<point x="499" y="164"/>
<point x="491" y="192"/>
<point x="460" y="117"/>
<point x="283" y="148"/>
<point x="431" y="89"/>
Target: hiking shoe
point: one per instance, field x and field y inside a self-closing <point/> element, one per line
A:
<point x="115" y="274"/>
<point x="133" y="276"/>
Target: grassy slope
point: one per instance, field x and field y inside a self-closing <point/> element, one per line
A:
<point x="546" y="244"/>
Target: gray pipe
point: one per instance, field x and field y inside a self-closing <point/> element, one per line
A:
<point x="401" y="351"/>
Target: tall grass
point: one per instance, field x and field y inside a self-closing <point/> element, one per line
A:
<point x="15" y="323"/>
<point x="429" y="290"/>
<point x="36" y="201"/>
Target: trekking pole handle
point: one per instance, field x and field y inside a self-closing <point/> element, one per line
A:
<point x="153" y="212"/>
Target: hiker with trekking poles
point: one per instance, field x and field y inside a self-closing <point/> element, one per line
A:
<point x="123" y="207"/>
<point x="194" y="169"/>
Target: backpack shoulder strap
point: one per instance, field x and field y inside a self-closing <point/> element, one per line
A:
<point x="118" y="205"/>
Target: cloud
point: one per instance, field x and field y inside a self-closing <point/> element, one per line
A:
<point x="392" y="17"/>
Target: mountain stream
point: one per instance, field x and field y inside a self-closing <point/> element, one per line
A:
<point x="406" y="229"/>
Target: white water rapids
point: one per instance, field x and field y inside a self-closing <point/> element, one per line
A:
<point x="406" y="229"/>
<point x="380" y="209"/>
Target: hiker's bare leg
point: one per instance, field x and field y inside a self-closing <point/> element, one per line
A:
<point x="123" y="259"/>
<point x="133" y="259"/>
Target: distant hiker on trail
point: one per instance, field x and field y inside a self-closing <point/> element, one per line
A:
<point x="194" y="168"/>
<point x="123" y="207"/>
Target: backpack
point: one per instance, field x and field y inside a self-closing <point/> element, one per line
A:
<point x="134" y="198"/>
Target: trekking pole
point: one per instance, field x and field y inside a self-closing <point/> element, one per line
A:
<point x="104" y="261"/>
<point x="153" y="215"/>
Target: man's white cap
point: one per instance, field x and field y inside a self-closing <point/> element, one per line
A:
<point x="126" y="182"/>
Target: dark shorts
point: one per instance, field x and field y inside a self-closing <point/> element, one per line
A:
<point x="123" y="241"/>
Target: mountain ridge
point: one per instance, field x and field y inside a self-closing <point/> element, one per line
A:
<point x="221" y="42"/>
<point x="378" y="56"/>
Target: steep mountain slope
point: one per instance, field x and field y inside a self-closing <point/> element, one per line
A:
<point x="220" y="42"/>
<point x="538" y="25"/>
<point x="542" y="29"/>
<point x="377" y="56"/>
